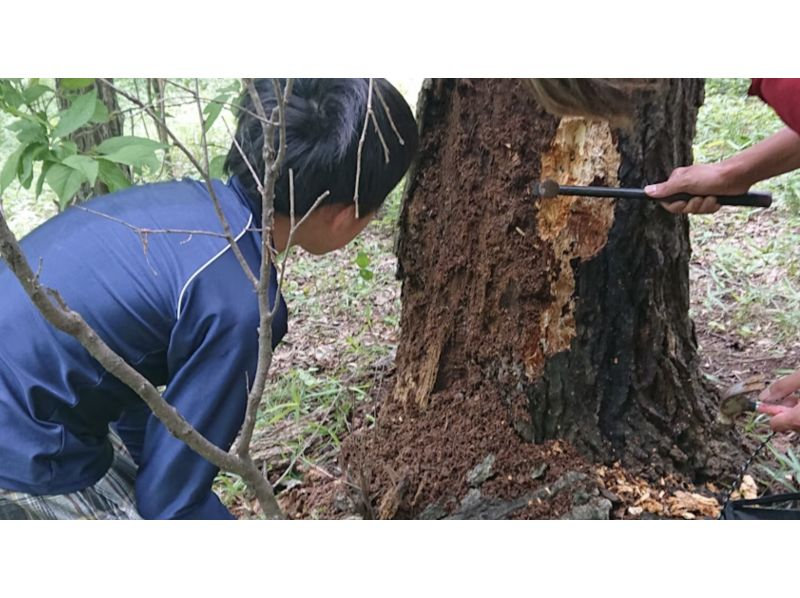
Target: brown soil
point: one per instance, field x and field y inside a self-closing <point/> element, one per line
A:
<point x="394" y="470"/>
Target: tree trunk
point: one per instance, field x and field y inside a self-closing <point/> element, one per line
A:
<point x="567" y="318"/>
<point x="93" y="134"/>
<point x="157" y="95"/>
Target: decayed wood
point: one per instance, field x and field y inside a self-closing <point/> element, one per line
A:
<point x="598" y="347"/>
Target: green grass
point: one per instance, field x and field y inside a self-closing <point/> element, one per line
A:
<point x="750" y="258"/>
<point x="783" y="472"/>
<point x="746" y="263"/>
<point x="303" y="419"/>
<point x="731" y="121"/>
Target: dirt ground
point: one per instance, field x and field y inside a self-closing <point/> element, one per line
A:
<point x="506" y="477"/>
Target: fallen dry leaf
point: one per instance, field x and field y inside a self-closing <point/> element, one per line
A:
<point x="748" y="489"/>
<point x="686" y="503"/>
<point x="652" y="506"/>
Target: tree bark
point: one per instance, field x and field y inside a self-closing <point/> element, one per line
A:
<point x="157" y="94"/>
<point x="575" y="312"/>
<point x="93" y="134"/>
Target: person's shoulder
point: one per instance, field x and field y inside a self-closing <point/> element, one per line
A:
<point x="183" y="204"/>
<point x="158" y="192"/>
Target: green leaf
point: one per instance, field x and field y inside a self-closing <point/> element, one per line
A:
<point x="133" y="151"/>
<point x="32" y="153"/>
<point x="213" y="109"/>
<point x="78" y="114"/>
<point x="136" y="156"/>
<point x="10" y="168"/>
<point x="34" y="92"/>
<point x="28" y="130"/>
<point x="114" y="144"/>
<point x="40" y="181"/>
<point x="65" y="149"/>
<point x="100" y="113"/>
<point x="215" y="167"/>
<point x="12" y="96"/>
<point x="366" y="274"/>
<point x="112" y="176"/>
<point x="88" y="166"/>
<point x="76" y="83"/>
<point x="65" y="181"/>
<point x="362" y="260"/>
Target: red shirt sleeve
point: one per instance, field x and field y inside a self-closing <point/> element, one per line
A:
<point x="784" y="97"/>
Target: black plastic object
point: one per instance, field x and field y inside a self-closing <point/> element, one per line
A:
<point x="775" y="507"/>
<point x="752" y="200"/>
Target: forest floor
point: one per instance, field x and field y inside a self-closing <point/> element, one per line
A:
<point x="336" y="363"/>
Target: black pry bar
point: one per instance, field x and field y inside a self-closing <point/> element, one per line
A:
<point x="752" y="200"/>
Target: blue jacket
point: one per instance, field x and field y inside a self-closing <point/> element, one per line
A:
<point x="178" y="307"/>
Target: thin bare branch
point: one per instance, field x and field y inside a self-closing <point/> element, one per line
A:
<point x="281" y="107"/>
<point x="361" y="145"/>
<point x="55" y="310"/>
<point x="264" y="360"/>
<point x="151" y="231"/>
<point x="380" y="136"/>
<point x="388" y="112"/>
<point x="243" y="156"/>
<point x="292" y="231"/>
<point x="203" y="173"/>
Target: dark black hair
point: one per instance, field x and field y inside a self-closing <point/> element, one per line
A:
<point x="324" y="121"/>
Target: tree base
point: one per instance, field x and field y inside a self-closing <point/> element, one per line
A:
<point x="460" y="458"/>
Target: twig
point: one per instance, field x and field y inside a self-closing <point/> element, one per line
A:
<point x="150" y="231"/>
<point x="243" y="156"/>
<point x="55" y="310"/>
<point x="207" y="99"/>
<point x="388" y="112"/>
<point x="361" y="145"/>
<point x="380" y="136"/>
<point x="207" y="179"/>
<point x="273" y="161"/>
<point x="264" y="361"/>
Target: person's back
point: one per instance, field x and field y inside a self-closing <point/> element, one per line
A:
<point x="137" y="291"/>
<point x="150" y="271"/>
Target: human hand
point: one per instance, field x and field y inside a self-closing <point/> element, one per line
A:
<point x="706" y="181"/>
<point x="780" y="402"/>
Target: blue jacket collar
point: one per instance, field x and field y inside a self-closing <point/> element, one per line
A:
<point x="253" y="203"/>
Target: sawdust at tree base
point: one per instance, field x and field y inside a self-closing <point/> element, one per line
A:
<point x="460" y="458"/>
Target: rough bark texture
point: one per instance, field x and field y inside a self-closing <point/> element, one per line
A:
<point x="573" y="311"/>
